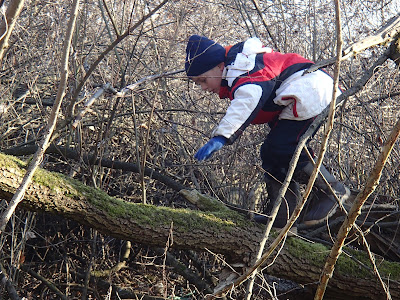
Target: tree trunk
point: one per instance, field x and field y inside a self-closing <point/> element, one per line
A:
<point x="218" y="229"/>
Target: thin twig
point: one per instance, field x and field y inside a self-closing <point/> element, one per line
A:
<point x="38" y="157"/>
<point x="4" y="281"/>
<point x="383" y="35"/>
<point x="255" y="3"/>
<point x="149" y="123"/>
<point x="111" y="18"/>
<point x="339" y="44"/>
<point x="372" y="259"/>
<point x="90" y="266"/>
<point x="46" y="282"/>
<point x="119" y="39"/>
<point x="10" y="19"/>
<point x="3" y="11"/>
<point x="119" y="266"/>
<point x="88" y="104"/>
<point x="331" y="116"/>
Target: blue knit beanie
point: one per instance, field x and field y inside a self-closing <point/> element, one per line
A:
<point x="202" y="54"/>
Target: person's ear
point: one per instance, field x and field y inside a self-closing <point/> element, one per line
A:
<point x="221" y="66"/>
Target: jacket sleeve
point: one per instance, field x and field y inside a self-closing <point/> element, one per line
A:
<point x="242" y="110"/>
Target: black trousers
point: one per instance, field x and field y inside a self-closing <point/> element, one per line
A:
<point x="279" y="146"/>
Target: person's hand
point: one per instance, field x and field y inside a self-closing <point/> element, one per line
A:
<point x="214" y="144"/>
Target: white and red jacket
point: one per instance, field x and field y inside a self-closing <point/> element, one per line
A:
<point x="263" y="85"/>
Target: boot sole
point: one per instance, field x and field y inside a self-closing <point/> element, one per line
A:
<point x="317" y="222"/>
<point x="330" y="213"/>
<point x="292" y="231"/>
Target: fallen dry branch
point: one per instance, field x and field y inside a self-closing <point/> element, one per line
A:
<point x="46" y="282"/>
<point x="7" y="284"/>
<point x="118" y="40"/>
<point x="384" y="35"/>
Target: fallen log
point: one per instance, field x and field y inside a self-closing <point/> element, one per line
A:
<point x="215" y="228"/>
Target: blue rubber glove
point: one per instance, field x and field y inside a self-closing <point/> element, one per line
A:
<point x="214" y="144"/>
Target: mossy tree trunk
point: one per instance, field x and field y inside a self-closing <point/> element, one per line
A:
<point x="220" y="230"/>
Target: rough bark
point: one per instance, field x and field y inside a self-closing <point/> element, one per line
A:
<point x="217" y="229"/>
<point x="139" y="223"/>
<point x="346" y="282"/>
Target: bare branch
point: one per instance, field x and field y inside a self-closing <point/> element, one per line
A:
<point x="4" y="281"/>
<point x="87" y="105"/>
<point x="10" y="19"/>
<point x="46" y="282"/>
<point x="111" y="18"/>
<point x="385" y="34"/>
<point x="37" y="159"/>
<point x="109" y="48"/>
<point x="258" y="9"/>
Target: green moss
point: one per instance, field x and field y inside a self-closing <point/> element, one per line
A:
<point x="350" y="267"/>
<point x="386" y="268"/>
<point x="43" y="177"/>
<point x="210" y="204"/>
<point x="155" y="216"/>
<point x="49" y="179"/>
<point x="314" y="253"/>
<point x="148" y="215"/>
<point x="347" y="264"/>
<point x="389" y="270"/>
<point x="215" y="207"/>
<point x="183" y="218"/>
<point x="11" y="161"/>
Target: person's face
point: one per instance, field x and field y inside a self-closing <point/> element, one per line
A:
<point x="211" y="80"/>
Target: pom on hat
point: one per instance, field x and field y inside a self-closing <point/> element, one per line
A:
<point x="202" y="54"/>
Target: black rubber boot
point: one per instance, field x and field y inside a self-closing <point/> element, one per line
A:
<point x="324" y="204"/>
<point x="287" y="205"/>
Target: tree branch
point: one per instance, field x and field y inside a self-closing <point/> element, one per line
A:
<point x="384" y="35"/>
<point x="104" y="162"/>
<point x="49" y="284"/>
<point x="6" y="27"/>
<point x="37" y="159"/>
<point x="119" y="39"/>
<point x="4" y="281"/>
